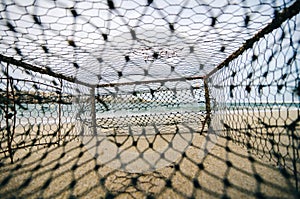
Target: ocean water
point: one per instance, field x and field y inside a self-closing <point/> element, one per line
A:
<point x="41" y="114"/>
<point x="260" y="105"/>
<point x="50" y="114"/>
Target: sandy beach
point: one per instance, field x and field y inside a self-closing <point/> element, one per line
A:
<point x="230" y="169"/>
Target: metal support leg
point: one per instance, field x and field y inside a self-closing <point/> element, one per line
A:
<point x="59" y="112"/>
<point x="207" y="103"/>
<point x="8" y="116"/>
<point x="93" y="110"/>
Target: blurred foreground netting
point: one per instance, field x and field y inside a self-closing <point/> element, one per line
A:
<point x="150" y="99"/>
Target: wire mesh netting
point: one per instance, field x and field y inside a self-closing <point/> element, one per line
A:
<point x="149" y="99"/>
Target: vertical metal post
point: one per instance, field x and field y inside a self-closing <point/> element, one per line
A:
<point x="8" y="116"/>
<point x="207" y="102"/>
<point x="59" y="112"/>
<point x="12" y="135"/>
<point x="93" y="110"/>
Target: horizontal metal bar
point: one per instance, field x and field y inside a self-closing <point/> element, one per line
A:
<point x="150" y="81"/>
<point x="286" y="14"/>
<point x="46" y="71"/>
